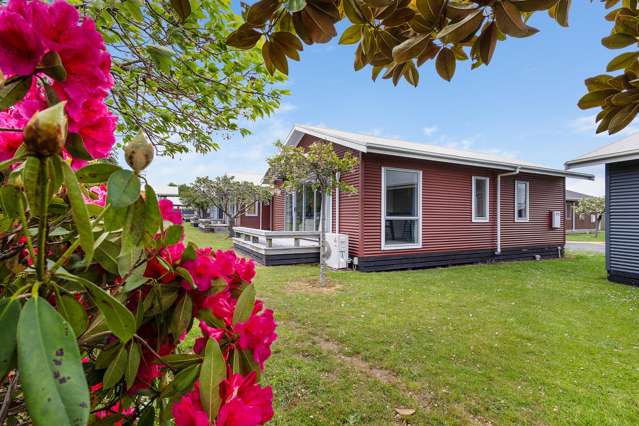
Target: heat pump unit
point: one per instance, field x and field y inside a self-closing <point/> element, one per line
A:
<point x="336" y="250"/>
<point x="556" y="219"/>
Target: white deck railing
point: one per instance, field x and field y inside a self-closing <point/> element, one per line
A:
<point x="281" y="241"/>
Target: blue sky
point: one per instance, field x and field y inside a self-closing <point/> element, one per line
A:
<point x="522" y="105"/>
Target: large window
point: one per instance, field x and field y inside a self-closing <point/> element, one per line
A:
<point x="401" y="208"/>
<point x="303" y="210"/>
<point x="251" y="210"/>
<point x="522" y="201"/>
<point x="480" y="199"/>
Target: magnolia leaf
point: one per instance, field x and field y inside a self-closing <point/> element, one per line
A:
<point x="13" y="91"/>
<point x="132" y="364"/>
<point x="463" y="29"/>
<point x="410" y="73"/>
<point x="96" y="173"/>
<point x="182" y="8"/>
<point x="260" y="12"/>
<point x="78" y="211"/>
<point x="51" y="374"/>
<point x="123" y="188"/>
<point x="245" y="304"/>
<point x="211" y="375"/>
<point x="74" y="313"/>
<point x="618" y="41"/>
<point x="534" y="5"/>
<point x="509" y="20"/>
<point x="9" y="314"/>
<point x="115" y="370"/>
<point x="410" y="48"/>
<point x="75" y="146"/>
<point x="595" y="99"/>
<point x="118" y="317"/>
<point x="622" y="118"/>
<point x="488" y="42"/>
<point x="245" y="37"/>
<point x="295" y="5"/>
<point x="351" y="35"/>
<point x="623" y="61"/>
<point x="445" y="64"/>
<point x="560" y="12"/>
<point x="288" y="43"/>
<point x="431" y="10"/>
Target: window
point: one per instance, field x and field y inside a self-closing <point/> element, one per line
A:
<point x="251" y="210"/>
<point x="522" y="201"/>
<point x="401" y="208"/>
<point x="593" y="218"/>
<point x="302" y="210"/>
<point x="480" y="199"/>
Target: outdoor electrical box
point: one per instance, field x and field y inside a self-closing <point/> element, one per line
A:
<point x="556" y="219"/>
<point x="337" y="250"/>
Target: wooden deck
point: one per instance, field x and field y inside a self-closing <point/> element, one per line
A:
<point x="272" y="248"/>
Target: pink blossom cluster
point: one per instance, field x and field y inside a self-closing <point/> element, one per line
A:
<point x="97" y="195"/>
<point x="217" y="277"/>
<point x="28" y="31"/>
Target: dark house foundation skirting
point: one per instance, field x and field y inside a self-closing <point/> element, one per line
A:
<point x="431" y="260"/>
<point x="277" y="259"/>
<point x="623" y="277"/>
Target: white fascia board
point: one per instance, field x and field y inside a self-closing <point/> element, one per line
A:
<point x="602" y="159"/>
<point x="293" y="140"/>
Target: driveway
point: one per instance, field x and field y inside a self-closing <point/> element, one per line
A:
<point x="581" y="246"/>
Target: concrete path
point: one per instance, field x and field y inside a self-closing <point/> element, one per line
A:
<point x="583" y="246"/>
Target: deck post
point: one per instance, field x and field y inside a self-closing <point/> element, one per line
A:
<point x="296" y="242"/>
<point x="269" y="242"/>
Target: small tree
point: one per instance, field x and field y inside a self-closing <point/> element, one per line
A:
<point x="232" y="197"/>
<point x="191" y="196"/>
<point x="593" y="205"/>
<point x="318" y="166"/>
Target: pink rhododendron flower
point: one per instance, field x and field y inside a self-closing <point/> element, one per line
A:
<point x="188" y="411"/>
<point x="100" y="193"/>
<point x="171" y="254"/>
<point x="244" y="403"/>
<point x="208" y="333"/>
<point x="244" y="272"/>
<point x="221" y="305"/>
<point x="203" y="269"/>
<point x="168" y="212"/>
<point x="30" y="29"/>
<point x="257" y="334"/>
<point x="116" y="409"/>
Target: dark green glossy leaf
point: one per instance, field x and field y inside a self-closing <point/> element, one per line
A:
<point x="96" y="172"/>
<point x="212" y="373"/>
<point x="9" y="314"/>
<point x="123" y="188"/>
<point x="133" y="364"/>
<point x="182" y="316"/>
<point x="51" y="373"/>
<point x="75" y="147"/>
<point x="181" y="360"/>
<point x="152" y="215"/>
<point x="78" y="211"/>
<point x="74" y="313"/>
<point x="14" y="91"/>
<point x="245" y="304"/>
<point x="173" y="234"/>
<point x="115" y="370"/>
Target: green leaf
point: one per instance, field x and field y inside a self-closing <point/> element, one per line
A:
<point x="10" y="198"/>
<point x="74" y="313"/>
<point x="618" y="41"/>
<point x="115" y="370"/>
<point x="186" y="275"/>
<point x="96" y="172"/>
<point x="182" y="382"/>
<point x="106" y="356"/>
<point x="9" y="314"/>
<point x="114" y="218"/>
<point x="245" y="304"/>
<point x="212" y="373"/>
<point x="147" y="417"/>
<point x="295" y="5"/>
<point x="14" y="91"/>
<point x="445" y="64"/>
<point x="51" y="373"/>
<point x="119" y="319"/>
<point x="30" y="178"/>
<point x="78" y="211"/>
<point x="351" y="35"/>
<point x="595" y="99"/>
<point x="459" y="31"/>
<point x="75" y="146"/>
<point x="107" y="256"/>
<point x="133" y="229"/>
<point x="133" y="364"/>
<point x="181" y="360"/>
<point x="152" y="215"/>
<point x="623" y="61"/>
<point x="123" y="188"/>
<point x="533" y="5"/>
<point x="136" y="279"/>
<point x="174" y="234"/>
<point x="53" y="67"/>
<point x="161" y="56"/>
<point x="182" y="316"/>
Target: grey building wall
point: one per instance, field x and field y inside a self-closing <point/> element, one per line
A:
<point x="622" y="218"/>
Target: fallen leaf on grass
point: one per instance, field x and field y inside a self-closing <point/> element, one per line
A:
<point x="405" y="411"/>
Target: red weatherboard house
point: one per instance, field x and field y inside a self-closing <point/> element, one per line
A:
<point x="423" y="205"/>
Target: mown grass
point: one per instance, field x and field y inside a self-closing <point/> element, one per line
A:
<point x="549" y="342"/>
<point x="217" y="240"/>
<point x="587" y="237"/>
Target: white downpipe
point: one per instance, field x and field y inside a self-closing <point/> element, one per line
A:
<point x="259" y="206"/>
<point x="516" y="172"/>
<point x="337" y="207"/>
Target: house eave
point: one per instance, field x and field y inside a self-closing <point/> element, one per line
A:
<point x="602" y="159"/>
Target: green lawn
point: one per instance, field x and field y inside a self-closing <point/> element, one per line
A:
<point x="217" y="240"/>
<point x="587" y="237"/>
<point x="548" y="342"/>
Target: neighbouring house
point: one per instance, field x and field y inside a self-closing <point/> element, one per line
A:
<point x="585" y="222"/>
<point x="622" y="205"/>
<point x="423" y="205"/>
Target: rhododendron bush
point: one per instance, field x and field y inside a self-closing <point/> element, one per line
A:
<point x="98" y="287"/>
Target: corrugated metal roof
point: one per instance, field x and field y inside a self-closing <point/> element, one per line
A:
<point x="623" y="150"/>
<point x="387" y="146"/>
<point x="576" y="196"/>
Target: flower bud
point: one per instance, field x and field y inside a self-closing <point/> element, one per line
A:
<point x="46" y="132"/>
<point x="138" y="153"/>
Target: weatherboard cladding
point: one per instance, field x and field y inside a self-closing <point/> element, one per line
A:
<point x="447" y="224"/>
<point x="622" y="180"/>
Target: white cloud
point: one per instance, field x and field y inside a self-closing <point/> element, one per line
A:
<point x="380" y="133"/>
<point x="428" y="131"/>
<point x="587" y="124"/>
<point x="596" y="187"/>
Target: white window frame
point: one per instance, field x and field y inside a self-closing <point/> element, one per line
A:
<point x="419" y="211"/>
<point x="255" y="205"/>
<point x="527" y="219"/>
<point x="486" y="203"/>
